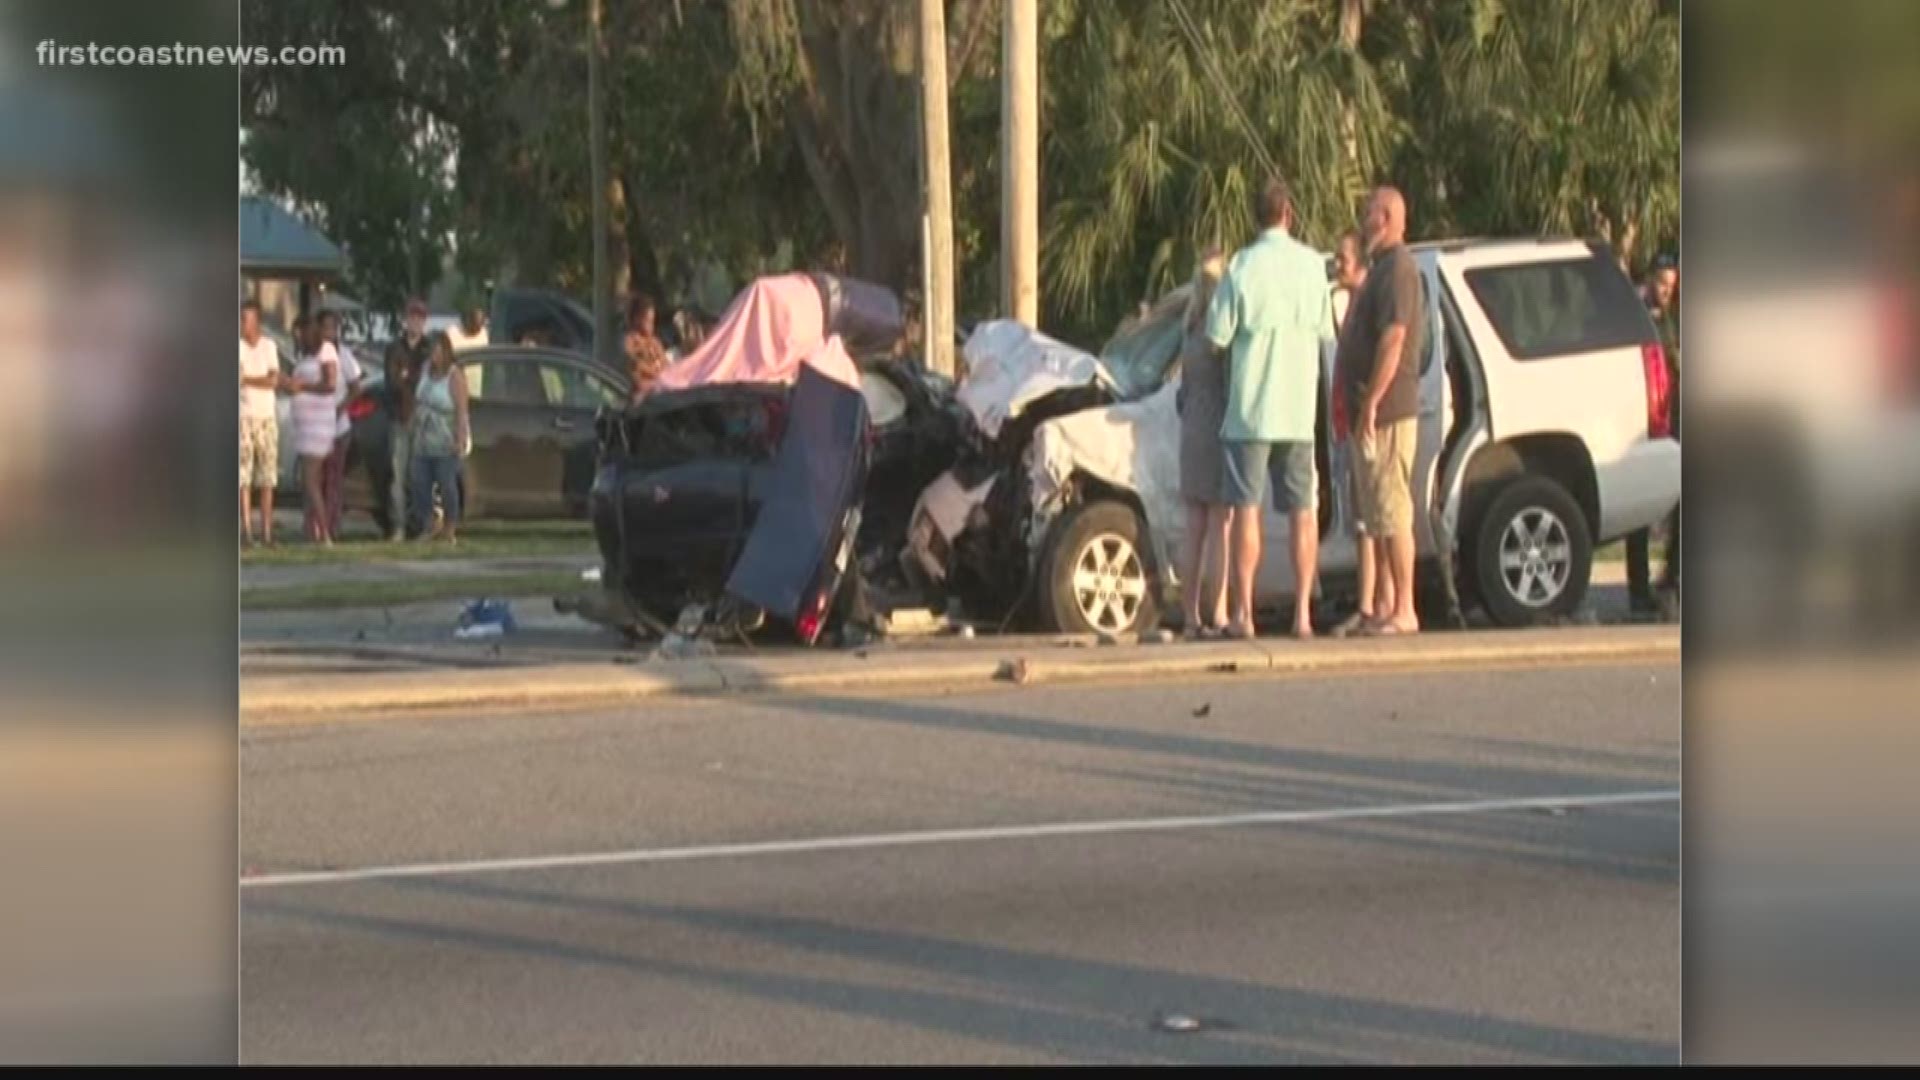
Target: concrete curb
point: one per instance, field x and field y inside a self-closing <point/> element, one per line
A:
<point x="274" y="700"/>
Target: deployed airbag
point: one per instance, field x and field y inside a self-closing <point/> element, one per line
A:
<point x="1010" y="366"/>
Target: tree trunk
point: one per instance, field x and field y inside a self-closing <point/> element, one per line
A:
<point x="619" y="228"/>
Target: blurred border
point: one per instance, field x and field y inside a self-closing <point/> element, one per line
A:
<point x="1802" y="591"/>
<point x="118" y="639"/>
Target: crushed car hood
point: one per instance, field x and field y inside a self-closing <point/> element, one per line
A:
<point x="1010" y="366"/>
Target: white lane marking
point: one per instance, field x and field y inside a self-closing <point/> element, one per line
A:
<point x="943" y="836"/>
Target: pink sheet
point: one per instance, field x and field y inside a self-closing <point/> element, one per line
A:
<point x="771" y="329"/>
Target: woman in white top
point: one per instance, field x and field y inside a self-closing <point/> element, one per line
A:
<point x="347" y="384"/>
<point x="315" y="418"/>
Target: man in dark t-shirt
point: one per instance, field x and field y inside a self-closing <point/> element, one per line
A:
<point x="1393" y="296"/>
<point x="406" y="359"/>
<point x="1378" y="369"/>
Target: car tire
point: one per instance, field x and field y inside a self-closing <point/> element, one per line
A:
<point x="1097" y="576"/>
<point x="1532" y="554"/>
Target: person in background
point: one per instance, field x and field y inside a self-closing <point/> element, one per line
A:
<point x="646" y="356"/>
<point x="1273" y="310"/>
<point x="472" y="331"/>
<point x="1661" y="294"/>
<point x="1375" y="588"/>
<point x="1203" y="409"/>
<point x="1379" y="361"/>
<point x="406" y="359"/>
<point x="441" y="440"/>
<point x="316" y="378"/>
<point x="259" y="423"/>
<point x="691" y="329"/>
<point x="351" y="376"/>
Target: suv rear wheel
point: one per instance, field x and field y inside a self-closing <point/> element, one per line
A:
<point x="1533" y="554"/>
<point x="1096" y="574"/>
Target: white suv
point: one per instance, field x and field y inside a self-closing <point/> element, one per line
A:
<point x="1543" y="433"/>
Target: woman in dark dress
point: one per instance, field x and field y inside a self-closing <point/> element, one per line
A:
<point x="1203" y="407"/>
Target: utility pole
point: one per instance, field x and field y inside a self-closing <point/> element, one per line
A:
<point x="603" y="335"/>
<point x="1020" y="168"/>
<point x="937" y="248"/>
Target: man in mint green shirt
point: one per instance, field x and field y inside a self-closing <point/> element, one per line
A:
<point x="1274" y="311"/>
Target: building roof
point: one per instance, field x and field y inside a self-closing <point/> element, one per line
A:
<point x="271" y="239"/>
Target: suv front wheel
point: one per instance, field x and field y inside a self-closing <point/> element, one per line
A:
<point x="1533" y="554"/>
<point x="1096" y="573"/>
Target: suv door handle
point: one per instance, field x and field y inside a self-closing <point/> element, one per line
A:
<point x="561" y="423"/>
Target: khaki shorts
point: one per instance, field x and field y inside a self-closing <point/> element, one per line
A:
<point x="259" y="453"/>
<point x="1386" y="479"/>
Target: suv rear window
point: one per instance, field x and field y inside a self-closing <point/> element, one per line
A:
<point x="1549" y="309"/>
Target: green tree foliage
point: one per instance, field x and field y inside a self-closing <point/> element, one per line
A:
<point x="1523" y="118"/>
<point x="739" y="129"/>
<point x="1163" y="119"/>
<point x="357" y="150"/>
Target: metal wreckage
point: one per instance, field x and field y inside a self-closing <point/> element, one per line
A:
<point x="795" y="470"/>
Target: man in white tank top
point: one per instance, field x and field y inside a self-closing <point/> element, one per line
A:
<point x="260" y="378"/>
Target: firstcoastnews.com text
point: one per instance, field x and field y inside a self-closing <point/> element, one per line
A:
<point x="53" y="54"/>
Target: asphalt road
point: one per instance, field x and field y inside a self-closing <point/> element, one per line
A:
<point x="859" y="880"/>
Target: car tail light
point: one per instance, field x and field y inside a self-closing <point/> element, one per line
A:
<point x="1659" y="391"/>
<point x="361" y="407"/>
<point x="812" y="619"/>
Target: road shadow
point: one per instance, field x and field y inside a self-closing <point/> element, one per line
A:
<point x="1534" y="836"/>
<point x="1081" y="1010"/>
<point x="1293" y="772"/>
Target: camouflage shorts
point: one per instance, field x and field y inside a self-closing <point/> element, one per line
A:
<point x="259" y="453"/>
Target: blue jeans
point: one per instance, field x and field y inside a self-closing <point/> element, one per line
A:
<point x="425" y="472"/>
<point x="401" y="460"/>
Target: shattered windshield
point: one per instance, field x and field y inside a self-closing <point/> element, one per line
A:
<point x="1143" y="350"/>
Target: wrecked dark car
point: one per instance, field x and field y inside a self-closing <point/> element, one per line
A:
<point x="771" y="473"/>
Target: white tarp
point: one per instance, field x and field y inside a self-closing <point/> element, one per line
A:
<point x="1135" y="446"/>
<point x="1010" y="366"/>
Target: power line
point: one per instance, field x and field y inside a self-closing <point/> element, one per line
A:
<point x="1209" y="66"/>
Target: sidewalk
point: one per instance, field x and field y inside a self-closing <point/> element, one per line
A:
<point x="301" y="666"/>
<point x="431" y="623"/>
<point x="375" y="571"/>
<point x="317" y="694"/>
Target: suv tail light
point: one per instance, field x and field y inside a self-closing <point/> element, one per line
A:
<point x="1659" y="391"/>
<point x="1897" y="345"/>
<point x="361" y="407"/>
